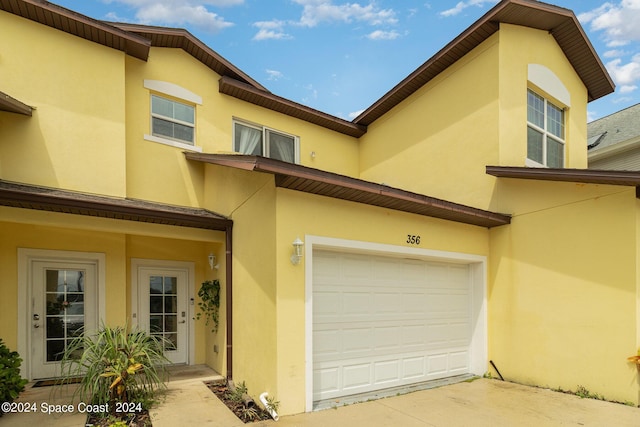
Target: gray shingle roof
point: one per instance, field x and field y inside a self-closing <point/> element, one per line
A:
<point x="613" y="129"/>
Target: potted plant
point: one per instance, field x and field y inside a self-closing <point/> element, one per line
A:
<point x="11" y="383"/>
<point x="120" y="370"/>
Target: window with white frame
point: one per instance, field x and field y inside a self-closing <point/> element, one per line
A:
<point x="261" y="141"/>
<point x="545" y="131"/>
<point x="173" y="120"/>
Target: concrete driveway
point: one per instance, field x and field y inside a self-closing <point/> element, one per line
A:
<point x="188" y="402"/>
<point x="478" y="403"/>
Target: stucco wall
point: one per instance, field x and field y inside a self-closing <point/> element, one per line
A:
<point x="75" y="138"/>
<point x="299" y="215"/>
<point x="438" y="141"/>
<point x="563" y="287"/>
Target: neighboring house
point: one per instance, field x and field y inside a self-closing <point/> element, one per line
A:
<point x="614" y="141"/>
<point x="453" y="223"/>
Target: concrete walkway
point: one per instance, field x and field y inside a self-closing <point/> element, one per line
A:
<point x="188" y="402"/>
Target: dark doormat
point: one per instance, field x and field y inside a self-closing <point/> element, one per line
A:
<point x="56" y="381"/>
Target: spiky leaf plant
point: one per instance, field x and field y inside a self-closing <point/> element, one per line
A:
<point x="116" y="365"/>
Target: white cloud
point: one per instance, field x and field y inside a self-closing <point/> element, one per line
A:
<point x="318" y="11"/>
<point x="270" y="30"/>
<point x="383" y="35"/>
<point x="624" y="74"/>
<point x="618" y="21"/>
<point x="628" y="88"/>
<point x="181" y="12"/>
<point x="614" y="53"/>
<point x="274" y="74"/>
<point x="460" y="6"/>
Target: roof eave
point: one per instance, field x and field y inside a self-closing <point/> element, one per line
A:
<point x="181" y="38"/>
<point x="55" y="200"/>
<point x="584" y="176"/>
<point x="323" y="183"/>
<point x="79" y="25"/>
<point x="584" y="59"/>
<point x="12" y="105"/>
<point x="245" y="92"/>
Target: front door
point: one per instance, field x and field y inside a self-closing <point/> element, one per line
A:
<point x="163" y="308"/>
<point x="63" y="304"/>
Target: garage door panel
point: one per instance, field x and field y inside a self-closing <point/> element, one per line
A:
<point x="391" y="322"/>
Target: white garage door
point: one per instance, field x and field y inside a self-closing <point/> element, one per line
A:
<point x="381" y="322"/>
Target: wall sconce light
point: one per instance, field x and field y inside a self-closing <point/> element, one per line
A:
<point x="212" y="261"/>
<point x="297" y="251"/>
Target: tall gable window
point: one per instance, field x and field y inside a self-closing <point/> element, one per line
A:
<point x="261" y="141"/>
<point x="545" y="131"/>
<point x="173" y="120"/>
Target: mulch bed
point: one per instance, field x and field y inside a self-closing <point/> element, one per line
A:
<point x="246" y="414"/>
<point x="137" y="419"/>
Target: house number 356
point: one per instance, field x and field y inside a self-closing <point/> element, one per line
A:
<point x="412" y="239"/>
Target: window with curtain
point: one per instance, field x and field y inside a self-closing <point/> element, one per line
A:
<point x="172" y="120"/>
<point x="545" y="131"/>
<point x="260" y="141"/>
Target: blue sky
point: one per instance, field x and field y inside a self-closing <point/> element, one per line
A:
<point x="341" y="56"/>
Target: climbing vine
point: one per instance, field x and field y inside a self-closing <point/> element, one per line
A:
<point x="209" y="304"/>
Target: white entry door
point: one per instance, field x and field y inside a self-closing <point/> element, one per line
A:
<point x="163" y="308"/>
<point x="63" y="304"/>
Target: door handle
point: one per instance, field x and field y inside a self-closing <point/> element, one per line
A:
<point x="182" y="321"/>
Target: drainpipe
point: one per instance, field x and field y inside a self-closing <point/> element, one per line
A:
<point x="229" y="292"/>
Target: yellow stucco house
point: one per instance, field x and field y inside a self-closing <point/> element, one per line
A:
<point x="453" y="223"/>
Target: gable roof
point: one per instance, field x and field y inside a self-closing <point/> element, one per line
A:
<point x="134" y="40"/>
<point x="560" y="22"/>
<point x="329" y="184"/>
<point x="614" y="129"/>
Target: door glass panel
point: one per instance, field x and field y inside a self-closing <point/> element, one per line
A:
<point x="64" y="297"/>
<point x="163" y="306"/>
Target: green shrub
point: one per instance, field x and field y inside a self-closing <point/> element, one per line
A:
<point x="116" y="366"/>
<point x="11" y="383"/>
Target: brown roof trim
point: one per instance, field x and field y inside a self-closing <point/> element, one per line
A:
<point x="71" y="22"/>
<point x="560" y="22"/>
<point x="183" y="39"/>
<point x="12" y="105"/>
<point x="586" y="176"/>
<point x="55" y="200"/>
<point x="315" y="181"/>
<point x="242" y="91"/>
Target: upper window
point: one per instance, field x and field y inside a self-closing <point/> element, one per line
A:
<point x="545" y="131"/>
<point x="172" y="120"/>
<point x="261" y="141"/>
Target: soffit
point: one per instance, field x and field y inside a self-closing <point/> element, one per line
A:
<point x="250" y="94"/>
<point x="315" y="181"/>
<point x="55" y="200"/>
<point x="71" y="22"/>
<point x="12" y="105"/>
<point x="560" y="22"/>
